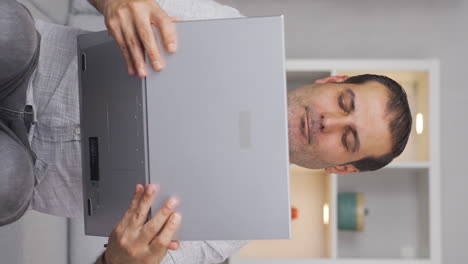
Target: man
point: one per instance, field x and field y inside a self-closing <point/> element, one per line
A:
<point x="343" y="125"/>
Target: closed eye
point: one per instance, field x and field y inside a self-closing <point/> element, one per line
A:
<point x="350" y="137"/>
<point x="341" y="102"/>
<point x="346" y="101"/>
<point x="347" y="144"/>
<point x="350" y="140"/>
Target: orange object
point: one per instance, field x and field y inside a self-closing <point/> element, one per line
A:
<point x="294" y="213"/>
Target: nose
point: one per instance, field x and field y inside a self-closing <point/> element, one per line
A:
<point x="334" y="122"/>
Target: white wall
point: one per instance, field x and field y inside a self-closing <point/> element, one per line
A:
<point x="83" y="249"/>
<point x="35" y="238"/>
<point x="10" y="241"/>
<point x="396" y="29"/>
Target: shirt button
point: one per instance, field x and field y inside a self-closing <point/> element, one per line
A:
<point x="77" y="131"/>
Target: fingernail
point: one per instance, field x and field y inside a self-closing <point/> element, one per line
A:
<point x="172" y="47"/>
<point x="171" y="203"/>
<point x="138" y="188"/>
<point x="149" y="189"/>
<point x="157" y="65"/>
<point x="142" y="71"/>
<point x="175" y="218"/>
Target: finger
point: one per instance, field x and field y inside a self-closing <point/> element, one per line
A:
<point x="146" y="35"/>
<point x="332" y="79"/>
<point x="140" y="214"/>
<point x="155" y="224"/>
<point x="340" y="78"/>
<point x="164" y="238"/>
<point x="168" y="32"/>
<point x="134" y="47"/>
<point x="116" y="32"/>
<point x="323" y="80"/>
<point x="133" y="205"/>
<point x="174" y="245"/>
<point x="344" y="78"/>
<point x="175" y="19"/>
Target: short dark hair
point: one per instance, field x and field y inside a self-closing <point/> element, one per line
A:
<point x="400" y="124"/>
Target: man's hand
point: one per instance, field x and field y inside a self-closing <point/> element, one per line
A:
<point x="134" y="241"/>
<point x="129" y="22"/>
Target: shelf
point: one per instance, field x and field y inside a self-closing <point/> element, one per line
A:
<point x="311" y="238"/>
<point x="408" y="165"/>
<point x="237" y="259"/>
<point x="401" y="165"/>
<point x="403" y="224"/>
<point x="396" y="200"/>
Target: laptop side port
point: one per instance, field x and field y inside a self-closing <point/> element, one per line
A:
<point x="83" y="62"/>
<point x="90" y="208"/>
<point x="94" y="159"/>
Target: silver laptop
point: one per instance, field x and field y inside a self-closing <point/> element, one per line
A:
<point x="210" y="129"/>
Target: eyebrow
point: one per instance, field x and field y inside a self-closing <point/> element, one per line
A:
<point x="341" y="99"/>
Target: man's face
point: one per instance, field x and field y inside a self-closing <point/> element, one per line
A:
<point x="333" y="123"/>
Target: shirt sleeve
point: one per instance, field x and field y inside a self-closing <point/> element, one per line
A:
<point x="199" y="252"/>
<point x="195" y="9"/>
<point x="198" y="9"/>
<point x="203" y="252"/>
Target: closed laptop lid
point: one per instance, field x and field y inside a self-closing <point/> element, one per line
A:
<point x="217" y="129"/>
<point x="211" y="129"/>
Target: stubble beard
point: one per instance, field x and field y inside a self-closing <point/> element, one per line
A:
<point x="302" y="155"/>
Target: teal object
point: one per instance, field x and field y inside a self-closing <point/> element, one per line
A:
<point x="351" y="211"/>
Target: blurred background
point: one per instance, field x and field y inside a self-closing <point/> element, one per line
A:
<point x="324" y="30"/>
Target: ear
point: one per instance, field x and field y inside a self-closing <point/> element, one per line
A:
<point x="342" y="169"/>
<point x="333" y="79"/>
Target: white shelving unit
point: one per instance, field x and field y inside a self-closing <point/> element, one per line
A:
<point x="404" y="198"/>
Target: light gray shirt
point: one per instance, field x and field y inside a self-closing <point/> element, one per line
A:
<point x="56" y="135"/>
